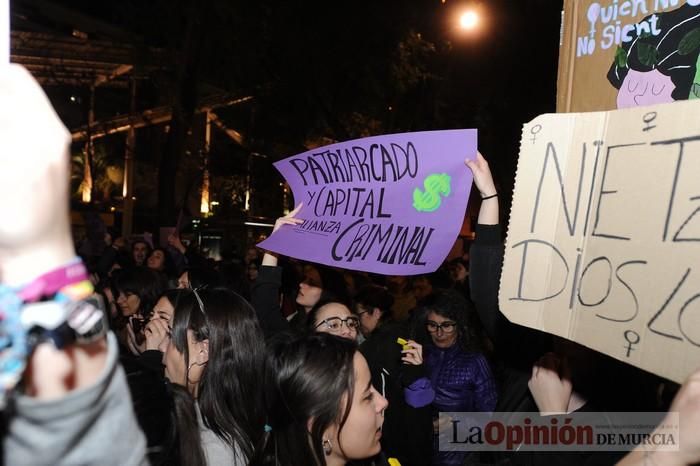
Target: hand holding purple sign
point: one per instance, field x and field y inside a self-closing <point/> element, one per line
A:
<point x="390" y="204"/>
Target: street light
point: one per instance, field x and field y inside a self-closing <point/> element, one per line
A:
<point x="468" y="20"/>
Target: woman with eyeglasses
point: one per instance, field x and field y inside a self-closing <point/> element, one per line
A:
<point x="396" y="374"/>
<point x="215" y="355"/>
<point x="333" y="317"/>
<point x="459" y="373"/>
<point x="318" y="283"/>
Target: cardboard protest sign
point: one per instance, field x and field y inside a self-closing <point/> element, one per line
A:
<point x="623" y="53"/>
<point x="389" y="204"/>
<point x="603" y="241"/>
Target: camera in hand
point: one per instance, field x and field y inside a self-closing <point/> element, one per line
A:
<point x="138" y="324"/>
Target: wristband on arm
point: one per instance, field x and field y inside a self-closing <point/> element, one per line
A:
<point x="59" y="307"/>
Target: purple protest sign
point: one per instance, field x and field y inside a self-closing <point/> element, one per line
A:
<point x="390" y="204"/>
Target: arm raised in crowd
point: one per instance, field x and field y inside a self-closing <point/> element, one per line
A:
<point x="488" y="212"/>
<point x="74" y="407"/>
<point x="519" y="345"/>
<point x="264" y="295"/>
<point x="486" y="254"/>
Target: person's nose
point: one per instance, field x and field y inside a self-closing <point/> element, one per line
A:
<point x="381" y="403"/>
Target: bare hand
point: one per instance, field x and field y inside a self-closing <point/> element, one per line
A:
<point x="482" y="175"/>
<point x="289" y="219"/>
<point x="156" y="331"/>
<point x="33" y="186"/>
<point x="412" y="355"/>
<point x="685" y="410"/>
<point x="35" y="236"/>
<point x="52" y="373"/>
<point x="550" y="384"/>
<point x="174" y="241"/>
<point x="270" y="259"/>
<point x="687" y="405"/>
<point x="119" y="243"/>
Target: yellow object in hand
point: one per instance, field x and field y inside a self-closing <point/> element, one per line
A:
<point x="394" y="461"/>
<point x="404" y="344"/>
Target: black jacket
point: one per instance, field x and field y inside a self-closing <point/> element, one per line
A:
<point x="407" y="432"/>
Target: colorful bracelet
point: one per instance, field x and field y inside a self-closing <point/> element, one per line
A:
<point x="59" y="306"/>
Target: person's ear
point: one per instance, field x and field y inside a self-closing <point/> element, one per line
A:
<point x="202" y="352"/>
<point x="376" y="312"/>
<point x="330" y="435"/>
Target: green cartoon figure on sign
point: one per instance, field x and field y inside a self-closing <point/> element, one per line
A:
<point x="429" y="200"/>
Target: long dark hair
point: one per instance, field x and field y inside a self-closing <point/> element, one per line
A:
<point x="333" y="287"/>
<point x="168" y="262"/>
<point x="230" y="400"/>
<point x="203" y="276"/>
<point x="452" y="305"/>
<point x="186" y="444"/>
<point x="372" y="296"/>
<point x="306" y="377"/>
<point x="173" y="295"/>
<point x="145" y="283"/>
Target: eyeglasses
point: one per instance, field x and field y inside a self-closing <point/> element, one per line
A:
<point x="334" y="324"/>
<point x="434" y="327"/>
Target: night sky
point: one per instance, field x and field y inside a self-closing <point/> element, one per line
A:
<point x="324" y="71"/>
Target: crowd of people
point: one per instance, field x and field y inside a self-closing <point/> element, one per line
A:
<point x="274" y="362"/>
<point x="193" y="347"/>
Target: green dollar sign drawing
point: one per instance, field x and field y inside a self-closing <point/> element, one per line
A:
<point x="430" y="200"/>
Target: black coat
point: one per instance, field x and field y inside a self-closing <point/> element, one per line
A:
<point x="407" y="432"/>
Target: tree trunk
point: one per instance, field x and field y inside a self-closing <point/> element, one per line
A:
<point x="185" y="102"/>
